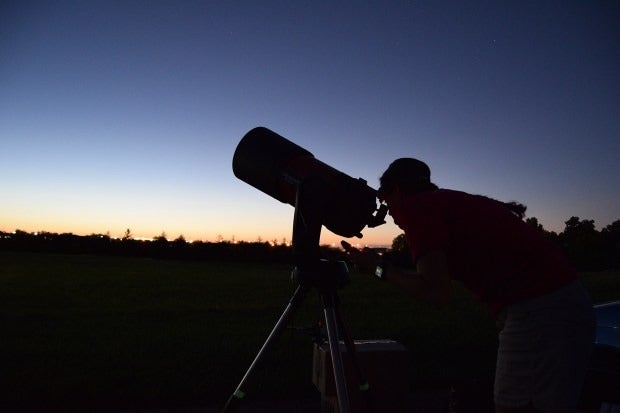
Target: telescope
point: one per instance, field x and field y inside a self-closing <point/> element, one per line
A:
<point x="281" y="169"/>
<point x="322" y="196"/>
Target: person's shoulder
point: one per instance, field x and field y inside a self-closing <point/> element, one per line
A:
<point x="451" y="199"/>
<point x="453" y="194"/>
<point x="444" y="194"/>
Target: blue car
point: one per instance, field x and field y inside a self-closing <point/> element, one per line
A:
<point x="602" y="386"/>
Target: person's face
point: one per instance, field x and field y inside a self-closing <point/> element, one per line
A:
<point x="393" y="199"/>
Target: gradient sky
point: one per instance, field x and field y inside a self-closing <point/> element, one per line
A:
<point x="126" y="114"/>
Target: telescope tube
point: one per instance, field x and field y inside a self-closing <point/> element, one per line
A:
<point x="277" y="166"/>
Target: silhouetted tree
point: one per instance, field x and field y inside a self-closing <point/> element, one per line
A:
<point x="161" y="238"/>
<point x="611" y="240"/>
<point x="399" y="244"/>
<point x="180" y="240"/>
<point x="533" y="221"/>
<point x="581" y="243"/>
<point x="159" y="246"/>
<point x="128" y="235"/>
<point x="399" y="253"/>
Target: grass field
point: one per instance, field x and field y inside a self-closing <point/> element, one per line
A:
<point x="115" y="331"/>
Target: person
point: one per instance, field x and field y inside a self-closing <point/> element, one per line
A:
<point x="544" y="314"/>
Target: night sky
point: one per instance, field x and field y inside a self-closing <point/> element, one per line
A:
<point x="126" y="114"/>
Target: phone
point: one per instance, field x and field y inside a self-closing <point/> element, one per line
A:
<point x="380" y="271"/>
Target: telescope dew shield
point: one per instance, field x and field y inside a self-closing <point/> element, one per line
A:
<point x="277" y="166"/>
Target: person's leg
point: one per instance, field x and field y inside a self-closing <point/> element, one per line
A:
<point x="544" y="348"/>
<point x="567" y="328"/>
<point x="515" y="361"/>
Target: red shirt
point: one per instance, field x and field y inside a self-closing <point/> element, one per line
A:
<point x="498" y="257"/>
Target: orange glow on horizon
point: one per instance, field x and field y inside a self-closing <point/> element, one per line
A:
<point x="370" y="238"/>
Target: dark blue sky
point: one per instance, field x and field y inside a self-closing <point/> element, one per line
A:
<point x="117" y="114"/>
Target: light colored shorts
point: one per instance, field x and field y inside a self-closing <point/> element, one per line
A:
<point x="544" y="349"/>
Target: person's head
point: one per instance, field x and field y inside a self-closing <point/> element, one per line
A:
<point x="408" y="176"/>
<point x="404" y="176"/>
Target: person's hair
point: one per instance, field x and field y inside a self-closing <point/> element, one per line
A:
<point x="412" y="176"/>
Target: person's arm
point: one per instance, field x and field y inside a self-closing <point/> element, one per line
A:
<point x="430" y="282"/>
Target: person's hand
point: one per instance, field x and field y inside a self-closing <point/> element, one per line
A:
<point x="365" y="260"/>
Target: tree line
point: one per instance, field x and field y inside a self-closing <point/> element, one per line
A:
<point x="159" y="247"/>
<point x="587" y="248"/>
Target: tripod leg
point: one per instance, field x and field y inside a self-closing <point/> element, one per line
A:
<point x="334" y="347"/>
<point x="293" y="304"/>
<point x="364" y="387"/>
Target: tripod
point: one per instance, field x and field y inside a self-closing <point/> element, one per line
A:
<point x="326" y="278"/>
